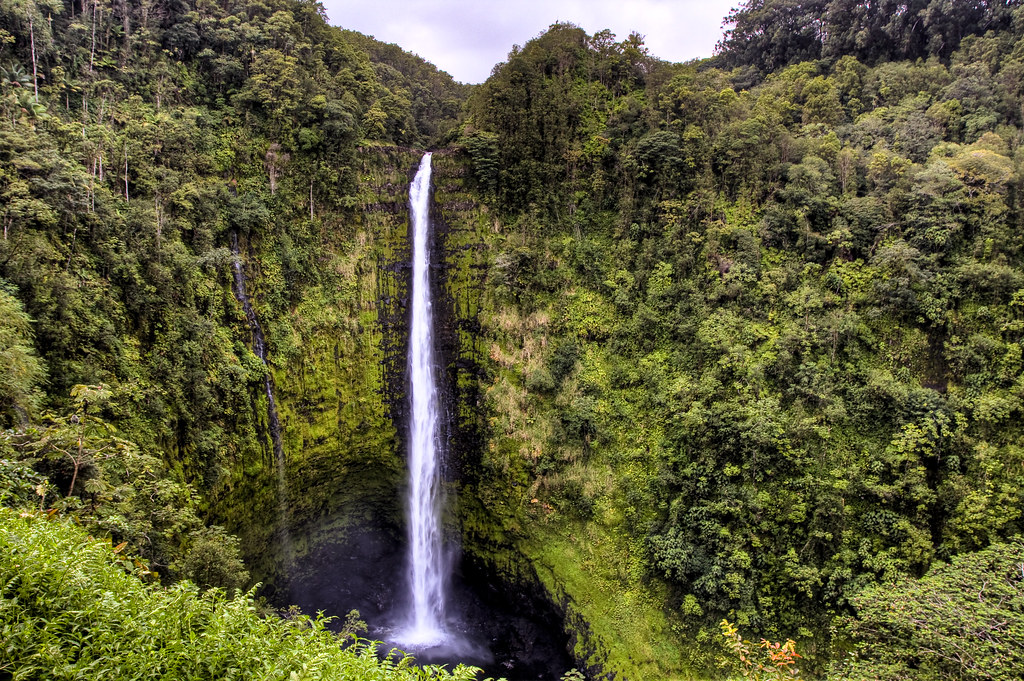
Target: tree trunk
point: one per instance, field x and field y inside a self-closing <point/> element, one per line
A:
<point x="126" y="25"/>
<point x="77" y="462"/>
<point x="92" y="50"/>
<point x="32" y="41"/>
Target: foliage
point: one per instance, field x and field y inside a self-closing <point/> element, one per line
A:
<point x="20" y="485"/>
<point x="21" y="371"/>
<point x="353" y="626"/>
<point x="767" y="661"/>
<point x="745" y="341"/>
<point x="434" y="99"/>
<point x="772" y="34"/>
<point x="72" y="606"/>
<point x="759" y="335"/>
<point x="159" y="138"/>
<point x="962" y="620"/>
<point x="165" y="133"/>
<point x="117" y="491"/>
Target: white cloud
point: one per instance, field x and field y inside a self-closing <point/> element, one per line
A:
<point x="467" y="38"/>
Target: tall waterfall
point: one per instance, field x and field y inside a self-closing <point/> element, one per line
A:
<point x="427" y="572"/>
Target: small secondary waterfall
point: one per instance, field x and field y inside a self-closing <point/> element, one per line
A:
<point x="259" y="346"/>
<point x="427" y="571"/>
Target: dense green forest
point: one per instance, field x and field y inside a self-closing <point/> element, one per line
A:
<point x="755" y="321"/>
<point x="737" y="339"/>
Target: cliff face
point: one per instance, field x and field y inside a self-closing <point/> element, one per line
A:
<point x="506" y="508"/>
<point x="544" y="559"/>
<point x="338" y="383"/>
<point x="342" y="403"/>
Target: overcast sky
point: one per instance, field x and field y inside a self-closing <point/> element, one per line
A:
<point x="467" y="38"/>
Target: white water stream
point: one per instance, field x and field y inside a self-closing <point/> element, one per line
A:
<point x="259" y="347"/>
<point x="427" y="569"/>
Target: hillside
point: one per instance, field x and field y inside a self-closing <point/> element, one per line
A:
<point x="752" y="347"/>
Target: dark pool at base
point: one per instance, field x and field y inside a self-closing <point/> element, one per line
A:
<point x="510" y="631"/>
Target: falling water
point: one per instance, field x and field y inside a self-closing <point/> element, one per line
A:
<point x="443" y="615"/>
<point x="259" y="347"/>
<point x="426" y="569"/>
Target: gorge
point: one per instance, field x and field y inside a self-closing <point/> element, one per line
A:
<point x="726" y="346"/>
<point x="417" y="592"/>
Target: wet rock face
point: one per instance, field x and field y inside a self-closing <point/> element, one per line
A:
<point x="358" y="574"/>
<point x="523" y="628"/>
<point x="353" y="557"/>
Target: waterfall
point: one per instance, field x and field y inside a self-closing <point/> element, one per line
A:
<point x="259" y="347"/>
<point x="427" y="571"/>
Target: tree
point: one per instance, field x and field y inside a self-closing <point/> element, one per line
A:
<point x="21" y="370"/>
<point x="771" y="34"/>
<point x="962" y="620"/>
<point x="76" y="440"/>
<point x="33" y="15"/>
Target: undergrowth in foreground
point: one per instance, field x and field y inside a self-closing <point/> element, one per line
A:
<point x="74" y="607"/>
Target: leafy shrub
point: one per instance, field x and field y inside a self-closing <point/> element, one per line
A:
<point x="73" y="607"/>
<point x="19" y="484"/>
<point x="563" y="360"/>
<point x="572" y="497"/>
<point x="963" y="620"/>
<point x="767" y="662"/>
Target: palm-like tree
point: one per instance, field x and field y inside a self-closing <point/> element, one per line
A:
<point x="14" y="76"/>
<point x="17" y="97"/>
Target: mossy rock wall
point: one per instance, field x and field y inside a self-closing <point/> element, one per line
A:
<point x="530" y="550"/>
<point x="333" y="362"/>
<point x="591" y="570"/>
<point x="337" y="360"/>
